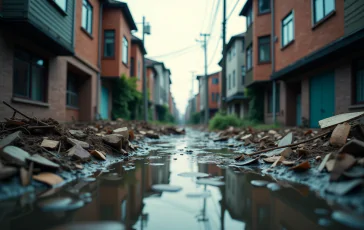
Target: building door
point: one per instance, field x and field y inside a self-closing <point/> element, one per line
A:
<point x="298" y="110"/>
<point x="104" y="103"/>
<point x="322" y="97"/>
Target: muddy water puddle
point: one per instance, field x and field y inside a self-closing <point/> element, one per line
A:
<point x="178" y="188"/>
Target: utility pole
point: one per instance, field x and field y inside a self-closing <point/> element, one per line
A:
<point x="146" y="30"/>
<point x="206" y="80"/>
<point x="223" y="78"/>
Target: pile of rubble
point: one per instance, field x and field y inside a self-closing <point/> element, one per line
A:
<point x="37" y="149"/>
<point x="337" y="148"/>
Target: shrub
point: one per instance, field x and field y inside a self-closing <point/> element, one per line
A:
<point x="220" y="122"/>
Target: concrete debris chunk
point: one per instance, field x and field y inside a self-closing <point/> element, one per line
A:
<point x="48" y="178"/>
<point x="114" y="140"/>
<point x="10" y="139"/>
<point x="79" y="153"/>
<point x="49" y="144"/>
<point x="77" y="133"/>
<point x="122" y="131"/>
<point x="74" y="142"/>
<point x="42" y="161"/>
<point x="15" y="155"/>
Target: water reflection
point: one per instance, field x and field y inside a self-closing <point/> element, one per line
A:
<point x="126" y="196"/>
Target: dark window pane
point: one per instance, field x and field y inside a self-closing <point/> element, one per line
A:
<point x="287" y="29"/>
<point x="264" y="49"/>
<point x="264" y="6"/>
<point x="21" y="78"/>
<point x="37" y="84"/>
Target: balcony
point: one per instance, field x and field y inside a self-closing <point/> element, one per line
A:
<point x="44" y="23"/>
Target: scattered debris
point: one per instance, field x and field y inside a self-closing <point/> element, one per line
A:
<point x="342" y="163"/>
<point x="301" y="167"/>
<point x="10" y="139"/>
<point x="79" y="153"/>
<point x="340" y="135"/>
<point x="49" y="144"/>
<point x="15" y="155"/>
<point x="338" y="119"/>
<point x="48" y="178"/>
<point x="99" y="155"/>
<point x="74" y="142"/>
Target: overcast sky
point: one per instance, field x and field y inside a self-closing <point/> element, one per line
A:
<point x="175" y="25"/>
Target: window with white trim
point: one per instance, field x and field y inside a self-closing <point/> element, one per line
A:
<point x="288" y="29"/>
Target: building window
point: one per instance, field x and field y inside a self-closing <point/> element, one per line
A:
<point x="243" y="73"/>
<point x="270" y="99"/>
<point x="264" y="6"/>
<point x="229" y="81"/>
<point x="249" y="58"/>
<point x="242" y="46"/>
<point x="215" y="81"/>
<point x="234" y="79"/>
<point x="109" y="43"/>
<point x="322" y="8"/>
<point x="233" y="50"/>
<point x="264" y="49"/>
<point x="217" y="97"/>
<point x="359" y="80"/>
<point x="288" y="29"/>
<point x="87" y="16"/>
<point x="249" y="17"/>
<point x="30" y="76"/>
<point x="62" y="4"/>
<point x="125" y="50"/>
<point x="72" y="91"/>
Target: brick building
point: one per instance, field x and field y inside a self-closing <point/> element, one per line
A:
<point x="214" y="92"/>
<point x="304" y="58"/>
<point x="56" y="57"/>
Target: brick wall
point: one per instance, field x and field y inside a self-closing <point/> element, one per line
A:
<point x="86" y="46"/>
<point x="150" y="78"/>
<point x="136" y="53"/>
<point x="113" y="19"/>
<point x="214" y="89"/>
<point x="57" y="69"/>
<point x="261" y="27"/>
<point x="306" y="38"/>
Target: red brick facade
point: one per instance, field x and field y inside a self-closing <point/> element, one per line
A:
<point x="214" y="88"/>
<point x="137" y="55"/>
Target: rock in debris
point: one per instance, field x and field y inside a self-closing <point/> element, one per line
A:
<point x="10" y="139"/>
<point x="74" y="142"/>
<point x="123" y="131"/>
<point x="48" y="178"/>
<point x="7" y="172"/>
<point x="42" y="161"/>
<point x="98" y="155"/>
<point x="15" y="155"/>
<point x="114" y="140"/>
<point x="152" y="135"/>
<point x="79" y="153"/>
<point x="49" y="144"/>
<point x="340" y="135"/>
<point x="77" y="133"/>
<point x="342" y="163"/>
<point x="354" y="147"/>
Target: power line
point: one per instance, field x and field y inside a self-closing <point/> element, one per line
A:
<point x="231" y="12"/>
<point x="211" y="18"/>
<point x="214" y="54"/>
<point x="215" y="16"/>
<point x="205" y="15"/>
<point x="175" y="52"/>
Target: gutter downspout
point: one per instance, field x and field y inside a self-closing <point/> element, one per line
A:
<point x="273" y="40"/>
<point x="98" y="84"/>
<point x="73" y="26"/>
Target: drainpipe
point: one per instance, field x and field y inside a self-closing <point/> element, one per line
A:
<point x="98" y="83"/>
<point x="273" y="40"/>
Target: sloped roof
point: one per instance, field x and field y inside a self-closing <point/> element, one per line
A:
<point x="112" y="4"/>
<point x="139" y="42"/>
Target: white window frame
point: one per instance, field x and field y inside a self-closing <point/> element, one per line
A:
<point x="313" y="7"/>
<point x="125" y="50"/>
<point x="87" y="25"/>
<point x="283" y="42"/>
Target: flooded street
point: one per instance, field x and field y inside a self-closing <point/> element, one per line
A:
<point x="127" y="195"/>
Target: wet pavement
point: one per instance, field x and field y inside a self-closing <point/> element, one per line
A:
<point x="161" y="190"/>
